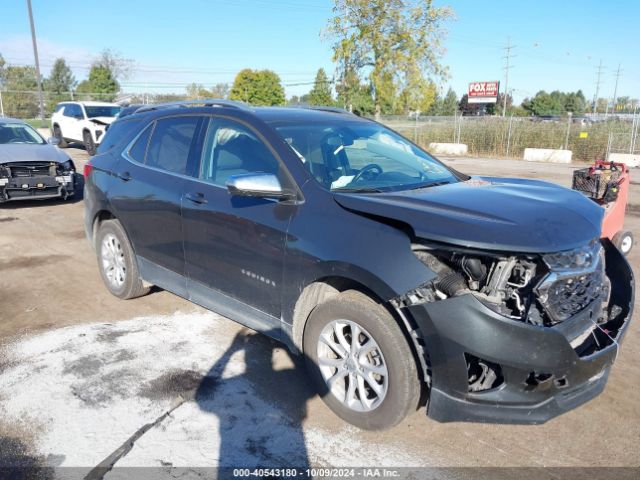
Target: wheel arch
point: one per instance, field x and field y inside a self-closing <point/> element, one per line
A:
<point x="100" y="217"/>
<point x="326" y="287"/>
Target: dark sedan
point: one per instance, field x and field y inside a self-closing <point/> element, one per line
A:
<point x="30" y="167"/>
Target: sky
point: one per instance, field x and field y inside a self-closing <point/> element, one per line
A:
<point x="557" y="44"/>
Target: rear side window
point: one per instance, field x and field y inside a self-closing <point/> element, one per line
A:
<point x="139" y="149"/>
<point x="171" y="142"/>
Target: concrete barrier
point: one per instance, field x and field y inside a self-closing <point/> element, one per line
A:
<point x="547" y="155"/>
<point x="448" y="148"/>
<point x="629" y="159"/>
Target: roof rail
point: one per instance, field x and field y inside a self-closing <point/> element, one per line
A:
<point x="330" y="109"/>
<point x="209" y="102"/>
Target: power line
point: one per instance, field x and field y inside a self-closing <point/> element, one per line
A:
<point x="595" y="98"/>
<point x="507" y="67"/>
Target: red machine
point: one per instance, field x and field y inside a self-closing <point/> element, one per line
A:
<point x="607" y="183"/>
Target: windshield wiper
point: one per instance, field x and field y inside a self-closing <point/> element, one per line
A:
<point x="358" y="190"/>
<point x="432" y="184"/>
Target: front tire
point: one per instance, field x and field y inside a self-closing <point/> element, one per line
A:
<point x="117" y="262"/>
<point x="89" y="145"/>
<point x="57" y="133"/>
<point x="624" y="241"/>
<point x="360" y="362"/>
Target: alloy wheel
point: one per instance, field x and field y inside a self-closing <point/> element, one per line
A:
<point x="352" y="365"/>
<point x="113" y="262"/>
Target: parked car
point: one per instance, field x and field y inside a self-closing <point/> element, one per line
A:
<point x="31" y="167"/>
<point x="401" y="280"/>
<point x="83" y="122"/>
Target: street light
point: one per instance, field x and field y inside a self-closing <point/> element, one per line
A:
<point x="35" y="54"/>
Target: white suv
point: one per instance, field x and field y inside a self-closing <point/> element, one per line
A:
<point x="83" y="122"/>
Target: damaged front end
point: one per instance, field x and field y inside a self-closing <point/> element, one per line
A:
<point x="36" y="180"/>
<point x="518" y="338"/>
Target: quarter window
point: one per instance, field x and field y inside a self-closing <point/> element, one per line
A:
<point x="171" y="142"/>
<point x="233" y="149"/>
<point x="139" y="149"/>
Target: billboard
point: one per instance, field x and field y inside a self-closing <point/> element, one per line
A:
<point x="483" y="92"/>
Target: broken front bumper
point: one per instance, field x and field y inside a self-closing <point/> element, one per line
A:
<point x="28" y="188"/>
<point x="541" y="371"/>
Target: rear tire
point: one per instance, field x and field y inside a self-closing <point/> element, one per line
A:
<point x="117" y="262"/>
<point x="89" y="146"/>
<point x="372" y="383"/>
<point x="57" y="133"/>
<point x="624" y="241"/>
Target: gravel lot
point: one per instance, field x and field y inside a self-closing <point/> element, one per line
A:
<point x="81" y="372"/>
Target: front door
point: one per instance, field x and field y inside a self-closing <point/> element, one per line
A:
<point x="234" y="245"/>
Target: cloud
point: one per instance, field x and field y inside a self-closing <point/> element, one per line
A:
<point x="18" y="50"/>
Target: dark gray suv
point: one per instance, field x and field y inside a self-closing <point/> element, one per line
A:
<point x="403" y="282"/>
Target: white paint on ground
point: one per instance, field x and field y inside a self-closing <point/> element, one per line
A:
<point x="84" y="390"/>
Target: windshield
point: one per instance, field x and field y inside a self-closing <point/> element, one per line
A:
<point x="103" y="111"/>
<point x="363" y="157"/>
<point x="20" y="134"/>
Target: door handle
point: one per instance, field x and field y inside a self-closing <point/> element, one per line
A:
<point x="124" y="176"/>
<point x="196" y="198"/>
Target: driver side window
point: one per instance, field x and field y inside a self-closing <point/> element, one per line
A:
<point x="233" y="149"/>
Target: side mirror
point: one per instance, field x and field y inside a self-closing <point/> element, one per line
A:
<point x="55" y="141"/>
<point x="261" y="185"/>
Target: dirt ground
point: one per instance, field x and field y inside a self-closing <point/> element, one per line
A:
<point x="49" y="279"/>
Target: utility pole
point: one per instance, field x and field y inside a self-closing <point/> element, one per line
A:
<point x="595" y="98"/>
<point x="35" y="54"/>
<point x="615" y="90"/>
<point x="507" y="67"/>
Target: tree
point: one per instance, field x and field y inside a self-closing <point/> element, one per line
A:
<point x="121" y="68"/>
<point x="575" y="103"/>
<point x="220" y="90"/>
<point x="389" y="40"/>
<point x="257" y="87"/>
<point x="196" y="91"/>
<point x="418" y="94"/>
<point x="60" y="84"/>
<point x="496" y="108"/>
<point x="20" y="97"/>
<point x="544" y="103"/>
<point x="2" y="70"/>
<point x="450" y="103"/>
<point x="320" y="94"/>
<point x="100" y="85"/>
<point x="556" y="103"/>
<point x="471" y="109"/>
<point x="296" y="100"/>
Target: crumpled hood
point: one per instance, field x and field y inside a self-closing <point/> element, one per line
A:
<point x="16" y="152"/>
<point x="527" y="216"/>
<point x="103" y="120"/>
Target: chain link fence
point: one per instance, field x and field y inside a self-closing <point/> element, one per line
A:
<point x="484" y="136"/>
<point x="508" y="137"/>
<point x="625" y="142"/>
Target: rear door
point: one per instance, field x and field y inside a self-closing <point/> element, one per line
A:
<point x="234" y="246"/>
<point x="147" y="196"/>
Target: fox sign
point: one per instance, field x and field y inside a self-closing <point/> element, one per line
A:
<point x="483" y="92"/>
